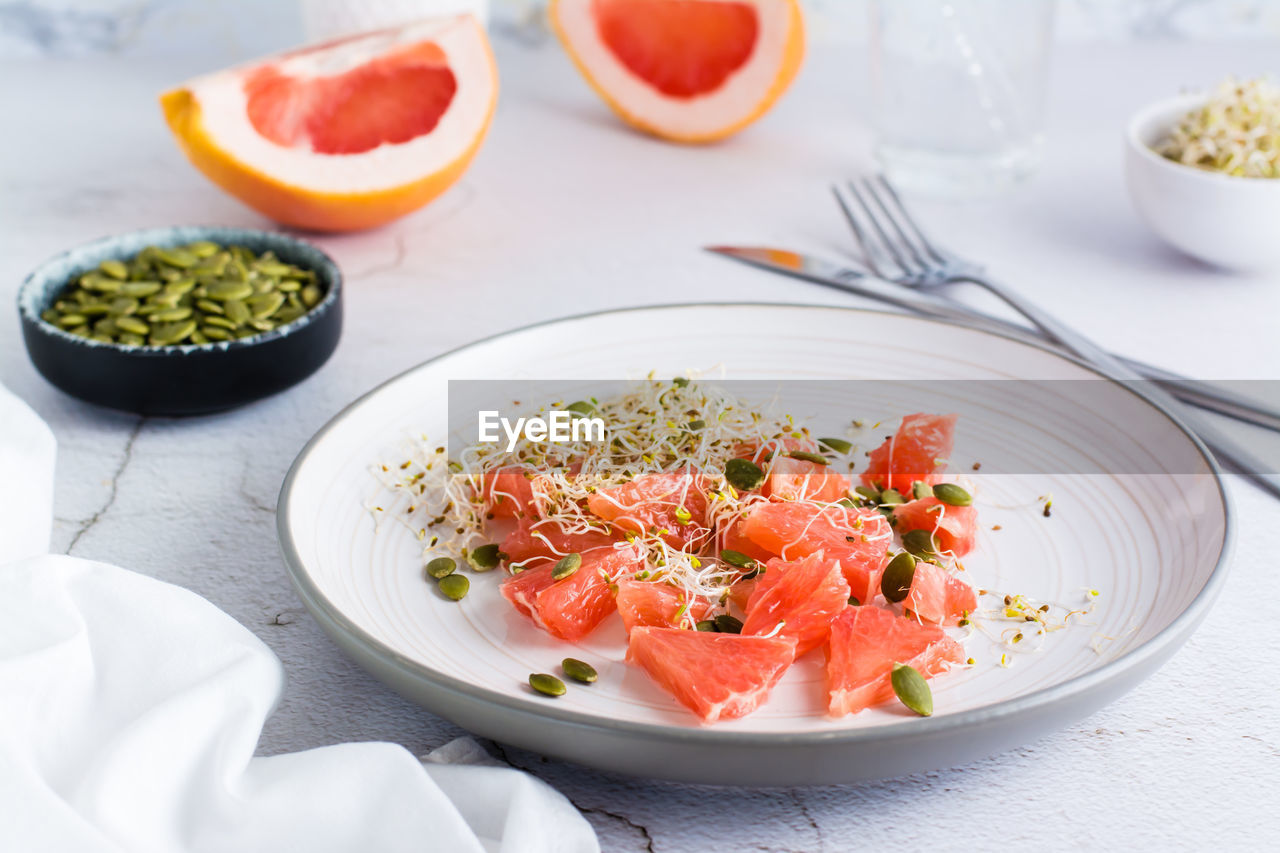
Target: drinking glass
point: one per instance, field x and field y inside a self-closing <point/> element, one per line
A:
<point x="958" y="91"/>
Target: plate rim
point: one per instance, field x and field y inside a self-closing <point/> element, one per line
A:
<point x="1177" y="631"/>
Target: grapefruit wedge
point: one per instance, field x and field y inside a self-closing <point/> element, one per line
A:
<point x="345" y="135"/>
<point x="685" y="70"/>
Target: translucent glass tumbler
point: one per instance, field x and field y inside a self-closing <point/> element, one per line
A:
<point x="958" y="90"/>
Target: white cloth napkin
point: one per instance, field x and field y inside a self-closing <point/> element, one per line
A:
<point x="130" y="710"/>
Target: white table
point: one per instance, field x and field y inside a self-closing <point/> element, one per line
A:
<point x="565" y="212"/>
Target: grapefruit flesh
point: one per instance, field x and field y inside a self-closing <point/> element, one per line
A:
<point x="917" y="451"/>
<point x="572" y="607"/>
<point x="733" y="539"/>
<point x="348" y="134"/>
<point x="529" y="543"/>
<point x="657" y="502"/>
<point x="657" y="604"/>
<point x="938" y="596"/>
<point x="954" y="528"/>
<point x="508" y="492"/>
<point x="858" y="538"/>
<point x="799" y="479"/>
<point x="716" y="676"/>
<point x="803" y="596"/>
<point x="865" y="644"/>
<point x="685" y="70"/>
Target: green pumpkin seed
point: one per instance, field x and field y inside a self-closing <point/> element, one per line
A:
<point x="115" y="269"/>
<point x="181" y="287"/>
<point x="854" y="602"/>
<point x="706" y="625"/>
<point x="581" y="408"/>
<point x="737" y="559"/>
<point x="133" y="325"/>
<point x="215" y="333"/>
<point x="69" y="321"/>
<point x="275" y="269"/>
<point x="895" y="583"/>
<point x="869" y="493"/>
<point x="288" y="314"/>
<point x="172" y="333"/>
<point x="579" y="670"/>
<point x="727" y="624"/>
<point x="95" y="309"/>
<point x="221" y="322"/>
<point x="952" y="495"/>
<point x="484" y="558"/>
<point x="225" y="290"/>
<point x="919" y="543"/>
<point x="547" y="685"/>
<point x="106" y="326"/>
<point x="289" y="286"/>
<point x="49" y="315"/>
<point x="441" y="567"/>
<point x="566" y="566"/>
<point x="203" y="248"/>
<point x="695" y="425"/>
<point x="208" y="306"/>
<point x="839" y="445"/>
<point x="266" y="305"/>
<point x="237" y="312"/>
<point x="912" y="690"/>
<point x="81" y="331"/>
<point x="815" y="458"/>
<point x="743" y="474"/>
<point x="177" y="257"/>
<point x="198" y="338"/>
<point x="101" y="338"/>
<point x="921" y="490"/>
<point x="892" y="497"/>
<point x="170" y="315"/>
<point x="311" y="296"/>
<point x="454" y="586"/>
<point x="140" y="288"/>
<point x="132" y="340"/>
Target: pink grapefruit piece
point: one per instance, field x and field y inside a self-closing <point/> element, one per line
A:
<point x="572" y="607"/>
<point x="670" y="502"/>
<point x="917" y="451"/>
<point x="938" y="596"/>
<point x="865" y="644"/>
<point x="802" y="597"/>
<point x="657" y="604"/>
<point x="716" y="676"/>
<point x="954" y="528"/>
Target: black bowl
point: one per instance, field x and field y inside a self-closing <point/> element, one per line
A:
<point x="189" y="379"/>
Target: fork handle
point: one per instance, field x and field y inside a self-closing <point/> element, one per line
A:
<point x="1243" y="460"/>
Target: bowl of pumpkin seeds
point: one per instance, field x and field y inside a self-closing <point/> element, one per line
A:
<point x="182" y="320"/>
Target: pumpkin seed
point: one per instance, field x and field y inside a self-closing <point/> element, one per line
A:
<point x="737" y="559"/>
<point x="208" y="306"/>
<point x="815" y="458"/>
<point x="912" y="690"/>
<point x="237" y="312"/>
<point x="869" y="493"/>
<point x="140" y="288"/>
<point x="892" y="497"/>
<point x="579" y="670"/>
<point x="177" y="257"/>
<point x="81" y="331"/>
<point x="743" y="474"/>
<point x="705" y="625"/>
<point x="310" y="295"/>
<point x="198" y="337"/>
<point x="919" y="543"/>
<point x="221" y="322"/>
<point x="180" y="287"/>
<point x="172" y="333"/>
<point x="115" y="269"/>
<point x="441" y="567"/>
<point x="215" y="333"/>
<point x="289" y="286"/>
<point x="133" y="324"/>
<point x="952" y="495"/>
<point x="454" y="586"/>
<point x="921" y="490"/>
<point x="170" y="315"/>
<point x="266" y="305"/>
<point x="727" y="624"/>
<point x="70" y="321"/>
<point x="581" y="407"/>
<point x="95" y="309"/>
<point x="484" y="558"/>
<point x="566" y="566"/>
<point x="895" y="583"/>
<point x="547" y="685"/>
<point x="203" y="248"/>
<point x="839" y="445"/>
<point x="131" y="340"/>
<point x="696" y="425"/>
<point x="224" y="290"/>
<point x="49" y="315"/>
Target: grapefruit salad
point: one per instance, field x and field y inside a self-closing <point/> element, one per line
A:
<point x="729" y="542"/>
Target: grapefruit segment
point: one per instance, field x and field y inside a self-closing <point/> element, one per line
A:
<point x="716" y="676"/>
<point x="348" y="134"/>
<point x="938" y="596"/>
<point x="917" y="451"/>
<point x="529" y="543"/>
<point x="858" y="538"/>
<point x="803" y="596"/>
<point x="672" y="502"/>
<point x="657" y="604"/>
<point x="685" y="70"/>
<point x="572" y="607"/>
<point x="955" y="528"/>
<point x="865" y="644"/>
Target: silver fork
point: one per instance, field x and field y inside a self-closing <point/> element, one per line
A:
<point x="896" y="249"/>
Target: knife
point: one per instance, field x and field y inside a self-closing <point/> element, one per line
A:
<point x="862" y="283"/>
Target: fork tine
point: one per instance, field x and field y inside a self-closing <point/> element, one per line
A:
<point x="911" y="222"/>
<point x="896" y="222"/>
<point x="884" y="235"/>
<point x="859" y="234"/>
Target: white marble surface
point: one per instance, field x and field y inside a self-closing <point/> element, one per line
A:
<point x="564" y="211"/>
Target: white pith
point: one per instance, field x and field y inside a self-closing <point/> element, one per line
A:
<point x="223" y="103"/>
<point x="734" y="101"/>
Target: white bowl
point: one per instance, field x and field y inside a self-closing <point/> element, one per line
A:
<point x="1228" y="221"/>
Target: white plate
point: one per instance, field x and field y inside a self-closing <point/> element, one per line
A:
<point x="1154" y="545"/>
